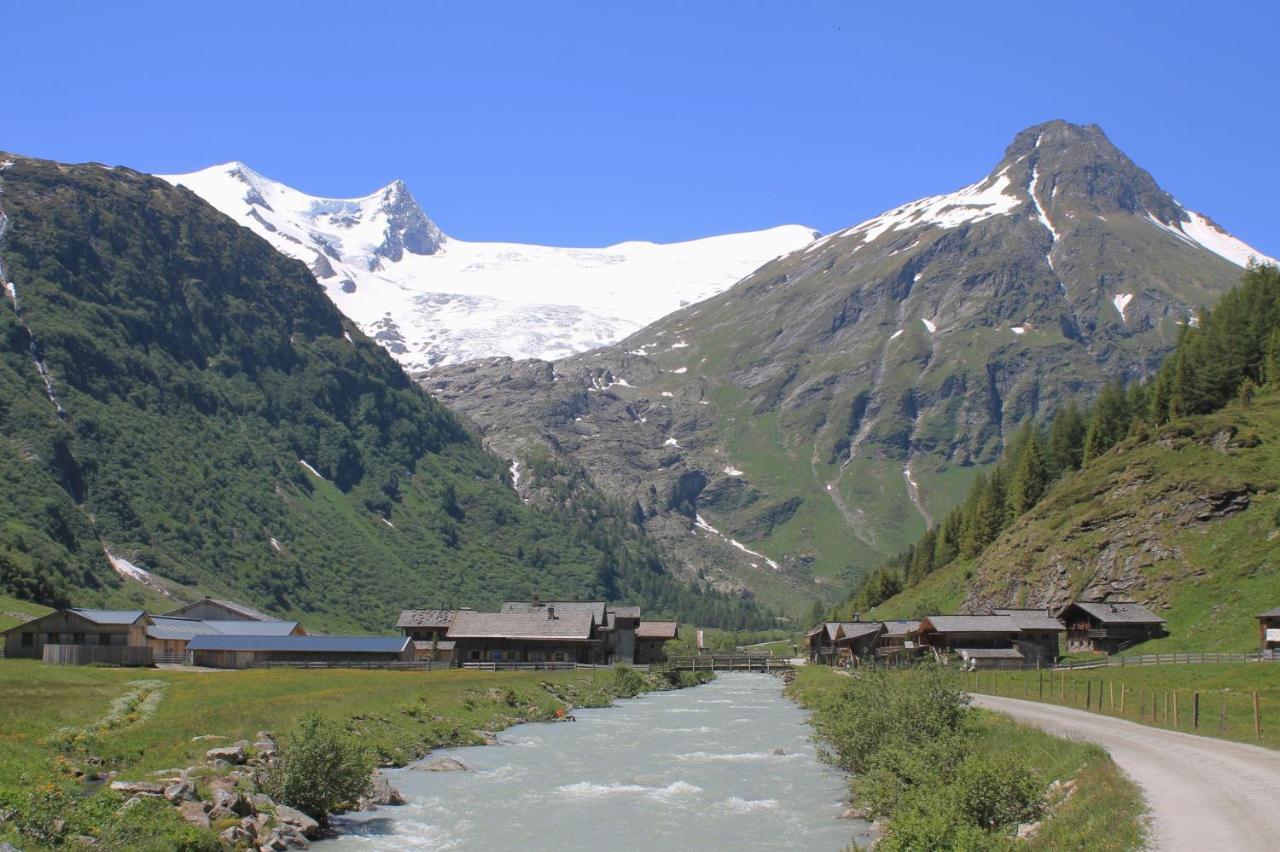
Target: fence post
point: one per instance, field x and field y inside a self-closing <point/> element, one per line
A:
<point x="1195" y="710"/>
<point x="1175" y="708"/>
<point x="1166" y="706"/>
<point x="1257" y="718"/>
<point x="1062" y="688"/>
<point x="1088" y="694"/>
<point x="1073" y="692"/>
<point x="1222" y="715"/>
<point x="1041" y="673"/>
<point x="1122" y="694"/>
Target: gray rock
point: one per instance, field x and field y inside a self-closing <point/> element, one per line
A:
<point x="138" y="788"/>
<point x="443" y="764"/>
<point x="380" y="793"/>
<point x="296" y="818"/>
<point x="180" y="791"/>
<point x="236" y="754"/>
<point x="235" y="836"/>
<point x="194" y="813"/>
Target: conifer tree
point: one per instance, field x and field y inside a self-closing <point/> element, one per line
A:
<point x="1066" y="441"/>
<point x="1030" y="477"/>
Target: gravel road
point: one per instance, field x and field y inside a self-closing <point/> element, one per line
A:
<point x="1203" y="794"/>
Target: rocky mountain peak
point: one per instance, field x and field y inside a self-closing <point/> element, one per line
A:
<point x="408" y="228"/>
<point x="1078" y="165"/>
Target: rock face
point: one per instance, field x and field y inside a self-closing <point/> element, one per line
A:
<point x="796" y="429"/>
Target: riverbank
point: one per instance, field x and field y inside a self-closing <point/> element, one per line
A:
<point x="977" y="781"/>
<point x="61" y="737"/>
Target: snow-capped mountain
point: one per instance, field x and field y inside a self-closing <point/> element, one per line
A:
<point x="431" y="299"/>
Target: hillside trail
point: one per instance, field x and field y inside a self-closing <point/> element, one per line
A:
<point x="1203" y="793"/>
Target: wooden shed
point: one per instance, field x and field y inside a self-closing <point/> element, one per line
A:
<point x="1109" y="627"/>
<point x="168" y="637"/>
<point x="652" y="638"/>
<point x="82" y="636"/>
<point x="1269" y="629"/>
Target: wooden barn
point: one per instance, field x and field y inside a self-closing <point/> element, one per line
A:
<point x="1039" y="635"/>
<point x="1109" y="627"/>
<point x="214" y="609"/>
<point x="652" y="638"/>
<point x="961" y="634"/>
<point x="82" y="636"/>
<point x="237" y="652"/>
<point x="545" y="636"/>
<point x="169" y="637"/>
<point x="900" y="640"/>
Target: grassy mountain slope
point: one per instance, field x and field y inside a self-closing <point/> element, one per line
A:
<point x="1186" y="520"/>
<point x="192" y="371"/>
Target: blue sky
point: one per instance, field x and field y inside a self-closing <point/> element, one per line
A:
<point x="590" y="123"/>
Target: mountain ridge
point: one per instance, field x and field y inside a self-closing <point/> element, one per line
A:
<point x="823" y="410"/>
<point x="432" y="299"/>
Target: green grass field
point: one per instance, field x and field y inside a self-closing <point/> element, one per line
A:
<point x="14" y="612"/>
<point x="1155" y="695"/>
<point x="48" y="716"/>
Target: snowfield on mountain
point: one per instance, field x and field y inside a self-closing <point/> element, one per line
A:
<point x="431" y="299"/>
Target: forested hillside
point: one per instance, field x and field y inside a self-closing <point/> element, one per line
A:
<point x="1164" y="492"/>
<point x="176" y="394"/>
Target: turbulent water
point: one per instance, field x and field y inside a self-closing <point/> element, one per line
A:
<point x="728" y="765"/>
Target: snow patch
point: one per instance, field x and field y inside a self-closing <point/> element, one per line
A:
<point x="311" y="470"/>
<point x="129" y="571"/>
<point x="680" y="370"/>
<point x="973" y="203"/>
<point x="929" y="325"/>
<point x="1218" y="241"/>
<point x="667" y="393"/>
<point x="917" y="278"/>
<point x="732" y="471"/>
<point x="1017" y="329"/>
<point x="680" y="345"/>
<point x="671" y="442"/>
<point x="1121" y="301"/>
<point x="385" y="521"/>
<point x="896" y="334"/>
<point x="275" y="545"/>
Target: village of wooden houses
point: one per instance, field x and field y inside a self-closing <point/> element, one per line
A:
<point x="536" y="634"/>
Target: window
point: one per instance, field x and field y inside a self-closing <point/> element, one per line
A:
<point x="28" y="640"/>
<point x="561" y="657"/>
<point x="51" y="639"/>
<point x="537" y="656"/>
<point x="496" y="656"/>
<point x="473" y="654"/>
<point x="104" y="638"/>
<point x="77" y="639"/>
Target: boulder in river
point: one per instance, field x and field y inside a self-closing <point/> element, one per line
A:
<point x="443" y="764"/>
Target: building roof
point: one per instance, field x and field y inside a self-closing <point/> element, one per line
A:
<point x="989" y="653"/>
<point x="658" y="630"/>
<point x="594" y="608"/>
<point x="901" y="627"/>
<point x="301" y="644"/>
<point x="168" y="627"/>
<point x="521" y="625"/>
<point x="426" y="617"/>
<point x="1116" y="613"/>
<point x="231" y="606"/>
<point x="969" y="624"/>
<point x="109" y="616"/>
<point x="1032" y="619"/>
<point x="626" y="611"/>
<point x="1274" y="612"/>
<point x="858" y="629"/>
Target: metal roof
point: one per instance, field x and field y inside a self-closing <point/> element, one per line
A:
<point x="167" y="627"/>
<point x="425" y="617"/>
<point x="1032" y="619"/>
<point x="1117" y="613"/>
<point x="970" y="624"/>
<point x="110" y="616"/>
<point x="302" y="644"/>
<point x="658" y="630"/>
<point x="521" y="625"/>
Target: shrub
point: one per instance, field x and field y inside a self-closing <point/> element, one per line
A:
<point x="319" y="768"/>
<point x="627" y="682"/>
<point x="996" y="793"/>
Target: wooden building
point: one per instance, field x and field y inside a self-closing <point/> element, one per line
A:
<point x="1039" y="635"/>
<point x="856" y="641"/>
<point x="82" y="636"/>
<point x="214" y="609"/>
<point x="238" y="652"/>
<point x="955" y="635"/>
<point x="615" y="625"/>
<point x="168" y="637"/>
<point x="424" y="625"/>
<point x="1269" y="629"/>
<point x="899" y="642"/>
<point x="652" y="638"/>
<point x="542" y="636"/>
<point x="821" y="642"/>
<point x="1109" y="627"/>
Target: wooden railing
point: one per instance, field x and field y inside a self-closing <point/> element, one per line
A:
<point x="728" y="663"/>
<point x="1172" y="659"/>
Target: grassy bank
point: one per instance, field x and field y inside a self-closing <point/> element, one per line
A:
<point x="56" y="721"/>
<point x="957" y="778"/>
<point x="1163" y="696"/>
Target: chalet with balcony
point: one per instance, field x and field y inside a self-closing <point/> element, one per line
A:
<point x="1109" y="627"/>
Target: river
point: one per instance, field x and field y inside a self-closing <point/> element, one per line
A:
<point x="727" y="765"/>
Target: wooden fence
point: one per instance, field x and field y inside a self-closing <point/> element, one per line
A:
<point x="398" y="665"/>
<point x="1244" y="715"/>
<point x="1192" y="657"/>
<point x="83" y="655"/>
<point x="727" y="663"/>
